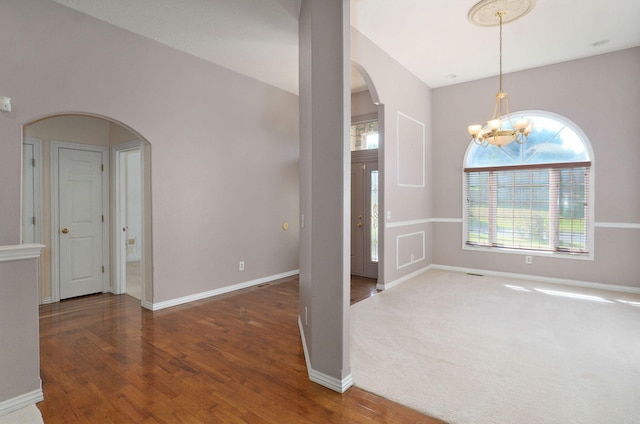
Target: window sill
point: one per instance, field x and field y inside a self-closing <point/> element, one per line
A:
<point x="524" y="252"/>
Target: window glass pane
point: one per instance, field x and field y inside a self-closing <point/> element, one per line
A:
<point x="478" y="208"/>
<point x="572" y="201"/>
<point x="374" y="216"/>
<point x="489" y="156"/>
<point x="371" y="141"/>
<point x="522" y="209"/>
<point x="550" y="141"/>
<point x="364" y="135"/>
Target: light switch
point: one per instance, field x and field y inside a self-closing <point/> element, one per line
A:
<point x="5" y="104"/>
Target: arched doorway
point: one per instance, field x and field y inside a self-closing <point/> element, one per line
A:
<point x="89" y="262"/>
<point x="366" y="178"/>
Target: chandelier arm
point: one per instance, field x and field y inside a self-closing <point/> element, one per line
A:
<point x="507" y="112"/>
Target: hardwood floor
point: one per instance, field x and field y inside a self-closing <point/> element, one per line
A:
<point x="362" y="288"/>
<point x="235" y="358"/>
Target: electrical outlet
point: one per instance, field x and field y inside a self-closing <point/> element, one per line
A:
<point x="241" y="266"/>
<point x="528" y="260"/>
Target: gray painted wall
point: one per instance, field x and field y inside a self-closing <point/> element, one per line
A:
<point x="601" y="95"/>
<point x="361" y="105"/>
<point x="224" y="147"/>
<point x="19" y="352"/>
<point x="404" y="161"/>
<point x="224" y="152"/>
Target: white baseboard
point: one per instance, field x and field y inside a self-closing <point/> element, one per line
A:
<point x="199" y="296"/>
<point x="327" y="381"/>
<point x="22" y="401"/>
<point x="562" y="281"/>
<point x="385" y="286"/>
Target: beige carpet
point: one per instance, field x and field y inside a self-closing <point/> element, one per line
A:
<point x="470" y="349"/>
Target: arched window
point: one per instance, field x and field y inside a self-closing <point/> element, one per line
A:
<point x="534" y="196"/>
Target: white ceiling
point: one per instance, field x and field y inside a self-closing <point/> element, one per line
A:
<point x="431" y="38"/>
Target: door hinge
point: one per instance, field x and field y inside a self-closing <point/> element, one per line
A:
<point x="364" y="166"/>
<point x="33" y="220"/>
<point x="33" y="162"/>
<point x="102" y="218"/>
<point x="103" y="269"/>
<point x="102" y="167"/>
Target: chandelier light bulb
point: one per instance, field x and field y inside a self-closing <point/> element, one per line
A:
<point x="494" y="124"/>
<point x="474" y="130"/>
<point x="528" y="129"/>
<point x="522" y="123"/>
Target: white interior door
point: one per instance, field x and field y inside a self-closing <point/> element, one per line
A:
<point x="81" y="220"/>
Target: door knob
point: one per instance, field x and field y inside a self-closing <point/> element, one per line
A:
<point x="359" y="224"/>
<point x="65" y="230"/>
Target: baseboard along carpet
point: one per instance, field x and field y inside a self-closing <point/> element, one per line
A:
<point x="480" y="349"/>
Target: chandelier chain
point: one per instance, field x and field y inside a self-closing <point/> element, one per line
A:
<point x="500" y="14"/>
<point x="500" y="129"/>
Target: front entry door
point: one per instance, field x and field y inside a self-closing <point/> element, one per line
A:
<point x="80" y="222"/>
<point x="364" y="217"/>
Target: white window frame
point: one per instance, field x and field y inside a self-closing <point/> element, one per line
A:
<point x="591" y="209"/>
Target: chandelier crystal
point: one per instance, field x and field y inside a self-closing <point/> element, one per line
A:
<point x="500" y="129"/>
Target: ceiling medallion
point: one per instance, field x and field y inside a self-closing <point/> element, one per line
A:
<point x="485" y="12"/>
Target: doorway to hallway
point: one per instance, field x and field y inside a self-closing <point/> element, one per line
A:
<point x="364" y="213"/>
<point x="129" y="206"/>
<point x="68" y="250"/>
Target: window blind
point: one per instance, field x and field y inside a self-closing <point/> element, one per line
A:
<point x="532" y="207"/>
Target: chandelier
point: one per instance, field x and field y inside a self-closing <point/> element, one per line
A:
<point x="500" y="129"/>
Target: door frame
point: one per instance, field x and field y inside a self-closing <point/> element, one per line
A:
<point x="37" y="188"/>
<point x="55" y="209"/>
<point x="120" y="254"/>
<point x="368" y="157"/>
